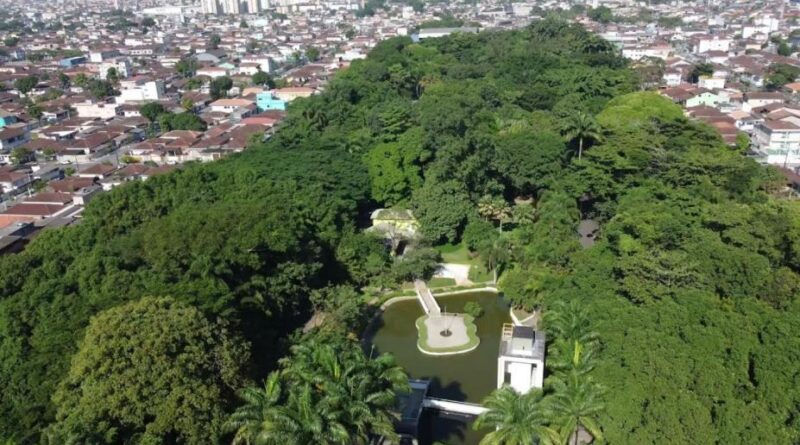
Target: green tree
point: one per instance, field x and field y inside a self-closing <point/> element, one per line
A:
<point x="258" y="418"/>
<point x="495" y="255"/>
<point x="214" y="41"/>
<point x="581" y="127"/>
<point x="81" y="80"/>
<point x="152" y="110"/>
<point x="477" y="233"/>
<point x="701" y="70"/>
<point x="442" y="209"/>
<point x="396" y="168"/>
<point x="186" y="67"/>
<point x="64" y="81"/>
<point x="575" y="403"/>
<point x="516" y="419"/>
<point x="779" y="74"/>
<point x="243" y="24"/>
<point x="26" y="84"/>
<point x="20" y="155"/>
<point x="312" y="54"/>
<point x="181" y="121"/>
<point x="264" y="79"/>
<point x="220" y="87"/>
<point x="495" y="209"/>
<point x="100" y="89"/>
<point x="418" y="264"/>
<point x="35" y="111"/>
<point x="187" y="104"/>
<point x="602" y="14"/>
<point x="11" y="41"/>
<point x="151" y="370"/>
<point x="112" y="75"/>
<point x="784" y="49"/>
<point x="530" y="160"/>
<point x="333" y="394"/>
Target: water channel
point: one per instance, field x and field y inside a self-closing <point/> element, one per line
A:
<point x="465" y="377"/>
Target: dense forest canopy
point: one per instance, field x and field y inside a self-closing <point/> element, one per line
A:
<point x="692" y="284"/>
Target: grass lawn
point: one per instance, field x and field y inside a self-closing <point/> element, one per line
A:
<point x="457" y="253"/>
<point x="479" y="274"/>
<point x="441" y="282"/>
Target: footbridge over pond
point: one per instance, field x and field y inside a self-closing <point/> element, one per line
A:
<point x="429" y="304"/>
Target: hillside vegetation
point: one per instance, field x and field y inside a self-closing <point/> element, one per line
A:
<point x="691" y="286"/>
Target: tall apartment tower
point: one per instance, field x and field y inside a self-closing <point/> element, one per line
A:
<point x="253" y="6"/>
<point x="210" y="7"/>
<point x="232" y="7"/>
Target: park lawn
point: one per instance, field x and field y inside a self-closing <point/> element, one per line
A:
<point x="441" y="282"/>
<point x="456" y="253"/>
<point x="479" y="274"/>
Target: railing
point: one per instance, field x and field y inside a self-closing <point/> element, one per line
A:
<point x="451" y="406"/>
<point x="508" y="330"/>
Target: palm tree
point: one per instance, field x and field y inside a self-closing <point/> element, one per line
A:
<point x="258" y="421"/>
<point x="582" y="127"/>
<point x="571" y="356"/>
<point x="575" y="404"/>
<point x="349" y="391"/>
<point x="569" y="321"/>
<point x="495" y="255"/>
<point x="495" y="209"/>
<point x="517" y="419"/>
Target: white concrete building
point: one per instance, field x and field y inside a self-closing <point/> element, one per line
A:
<point x="712" y="43"/>
<point x="520" y="363"/>
<point x="140" y="90"/>
<point x="123" y="67"/>
<point x="711" y="83"/>
<point x="99" y="110"/>
<point x="778" y="142"/>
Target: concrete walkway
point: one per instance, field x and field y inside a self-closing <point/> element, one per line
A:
<point x="429" y="304"/>
<point x="458" y="272"/>
<point x="453" y="323"/>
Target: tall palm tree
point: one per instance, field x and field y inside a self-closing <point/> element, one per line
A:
<point x="572" y="356"/>
<point x="569" y="321"/>
<point x="494" y="208"/>
<point x="582" y="127"/>
<point x="575" y="403"/>
<point x="259" y="420"/>
<point x="495" y="255"/>
<point x="517" y="419"/>
<point x="351" y="391"/>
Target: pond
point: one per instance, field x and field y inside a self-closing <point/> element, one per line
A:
<point x="464" y="377"/>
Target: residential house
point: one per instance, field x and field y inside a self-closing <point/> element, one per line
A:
<point x="11" y="138"/>
<point x="267" y="101"/>
<point x="289" y="94"/>
<point x="140" y="89"/>
<point x="7" y="118"/>
<point x="759" y="99"/>
<point x="101" y="110"/>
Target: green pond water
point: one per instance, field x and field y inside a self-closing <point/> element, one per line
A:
<point x="464" y="377"/>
